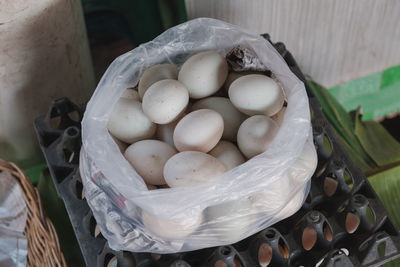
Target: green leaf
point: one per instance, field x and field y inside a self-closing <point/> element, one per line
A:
<point x="378" y="143"/>
<point x="341" y="121"/>
<point x="387" y="186"/>
<point x="327" y="108"/>
<point x="358" y="161"/>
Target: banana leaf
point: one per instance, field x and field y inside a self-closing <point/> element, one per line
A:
<point x="341" y="121"/>
<point x="387" y="186"/>
<point x="378" y="143"/>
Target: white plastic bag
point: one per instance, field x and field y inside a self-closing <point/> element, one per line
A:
<point x="245" y="200"/>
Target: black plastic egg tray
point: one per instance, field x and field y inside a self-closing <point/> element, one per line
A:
<point x="342" y="222"/>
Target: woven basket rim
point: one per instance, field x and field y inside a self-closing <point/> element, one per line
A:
<point x="43" y="244"/>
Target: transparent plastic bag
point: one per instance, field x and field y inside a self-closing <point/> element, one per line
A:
<point x="245" y="200"/>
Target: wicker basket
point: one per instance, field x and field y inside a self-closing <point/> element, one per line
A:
<point x="43" y="247"/>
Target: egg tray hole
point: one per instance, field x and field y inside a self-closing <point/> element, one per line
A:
<point x="60" y="145"/>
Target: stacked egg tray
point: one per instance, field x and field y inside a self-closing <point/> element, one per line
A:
<point x="342" y="222"/>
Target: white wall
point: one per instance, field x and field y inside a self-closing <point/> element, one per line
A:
<point x="333" y="41"/>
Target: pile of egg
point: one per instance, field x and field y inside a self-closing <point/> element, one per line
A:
<point x="175" y="131"/>
<point x="179" y="129"/>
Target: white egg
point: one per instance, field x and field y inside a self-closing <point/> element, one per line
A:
<point x="277" y="200"/>
<point x="274" y="196"/>
<point x="199" y="130"/>
<point x="192" y="167"/>
<point x="304" y="166"/>
<point x="231" y="116"/>
<point x="128" y="123"/>
<point x="131" y="93"/>
<point x="279" y="196"/>
<point x="148" y="158"/>
<point x="171" y="229"/>
<point x="255" y="134"/>
<point x="256" y="94"/>
<point x="228" y="154"/>
<point x="164" y="101"/>
<point x="121" y="145"/>
<point x="293" y="205"/>
<point x="229" y="222"/>
<point x="232" y="76"/>
<point x="203" y="74"/>
<point x="278" y="117"/>
<point x="165" y="132"/>
<point x="154" y="74"/>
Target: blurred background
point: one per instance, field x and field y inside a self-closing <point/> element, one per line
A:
<point x="61" y="48"/>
